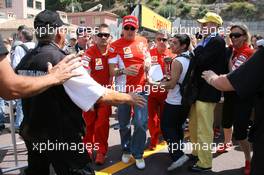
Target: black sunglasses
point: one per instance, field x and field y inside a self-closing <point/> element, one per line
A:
<point x="235" y="35"/>
<point x="106" y="35"/>
<point x="162" y="39"/>
<point x="130" y="28"/>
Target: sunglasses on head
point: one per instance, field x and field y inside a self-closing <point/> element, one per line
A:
<point x="106" y="35"/>
<point x="130" y="28"/>
<point x="235" y="35"/>
<point x="162" y="39"/>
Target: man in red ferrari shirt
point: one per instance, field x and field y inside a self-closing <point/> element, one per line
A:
<point x="129" y="58"/>
<point x="97" y="120"/>
<point x="156" y="98"/>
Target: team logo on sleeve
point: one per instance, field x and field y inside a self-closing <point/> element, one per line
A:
<point x="85" y="61"/>
<point x="112" y="49"/>
<point x="98" y="64"/>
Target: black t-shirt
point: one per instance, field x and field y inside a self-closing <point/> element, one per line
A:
<point x="248" y="81"/>
<point x="3" y="50"/>
<point x="51" y="114"/>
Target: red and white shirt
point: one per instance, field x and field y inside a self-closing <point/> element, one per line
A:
<point x="126" y="53"/>
<point x="240" y="56"/>
<point x="97" y="65"/>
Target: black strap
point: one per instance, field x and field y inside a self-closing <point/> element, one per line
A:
<point x="26" y="49"/>
<point x="188" y="57"/>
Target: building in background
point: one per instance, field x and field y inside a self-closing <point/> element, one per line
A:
<point x="21" y="9"/>
<point x="93" y="19"/>
<point x="9" y="26"/>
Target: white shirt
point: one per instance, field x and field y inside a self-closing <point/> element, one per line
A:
<point x="19" y="53"/>
<point x="83" y="90"/>
<point x="174" y="96"/>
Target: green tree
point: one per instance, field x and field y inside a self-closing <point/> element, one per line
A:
<point x="201" y="12"/>
<point x="245" y="9"/>
<point x="167" y="11"/>
<point x="185" y="10"/>
<point x="64" y="5"/>
<point x="208" y="1"/>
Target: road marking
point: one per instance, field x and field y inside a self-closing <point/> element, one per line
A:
<point x="120" y="165"/>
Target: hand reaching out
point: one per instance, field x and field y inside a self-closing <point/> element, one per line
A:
<point x="64" y="69"/>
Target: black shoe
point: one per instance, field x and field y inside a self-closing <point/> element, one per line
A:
<point x="193" y="158"/>
<point x="2" y="126"/>
<point x="197" y="169"/>
<point x="17" y="130"/>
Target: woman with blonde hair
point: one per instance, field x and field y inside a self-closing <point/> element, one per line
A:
<point x="236" y="110"/>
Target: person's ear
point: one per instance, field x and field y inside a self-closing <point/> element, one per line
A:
<point x="183" y="47"/>
<point x="57" y="38"/>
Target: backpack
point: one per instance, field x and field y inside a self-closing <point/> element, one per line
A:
<point x="188" y="87"/>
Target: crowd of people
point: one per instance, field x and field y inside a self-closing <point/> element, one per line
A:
<point x="76" y="108"/>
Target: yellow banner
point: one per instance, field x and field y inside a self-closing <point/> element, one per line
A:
<point x="153" y="21"/>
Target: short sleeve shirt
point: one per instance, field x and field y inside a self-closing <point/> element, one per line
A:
<point x="131" y="53"/>
<point x="158" y="58"/>
<point x="97" y="65"/>
<point x="241" y="55"/>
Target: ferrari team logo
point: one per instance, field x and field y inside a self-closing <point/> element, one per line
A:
<point x="98" y="62"/>
<point x="154" y="59"/>
<point x="127" y="50"/>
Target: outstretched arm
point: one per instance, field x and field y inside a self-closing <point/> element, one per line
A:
<point x="114" y="98"/>
<point x="220" y="82"/>
<point x="13" y="86"/>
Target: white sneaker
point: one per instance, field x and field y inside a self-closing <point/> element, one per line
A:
<point x="140" y="163"/>
<point x="126" y="158"/>
<point x="178" y="162"/>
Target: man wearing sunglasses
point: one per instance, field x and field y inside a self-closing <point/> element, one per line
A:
<point x="97" y="120"/>
<point x="130" y="54"/>
<point x="156" y="99"/>
<point x="210" y="54"/>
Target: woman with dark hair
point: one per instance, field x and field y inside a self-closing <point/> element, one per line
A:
<point x="174" y="113"/>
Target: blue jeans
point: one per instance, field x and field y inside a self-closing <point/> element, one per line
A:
<point x="134" y="144"/>
<point x="2" y="117"/>
<point x="19" y="113"/>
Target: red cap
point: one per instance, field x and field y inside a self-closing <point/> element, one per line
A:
<point x="130" y="20"/>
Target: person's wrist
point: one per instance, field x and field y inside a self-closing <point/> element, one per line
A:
<point x="211" y="80"/>
<point x="53" y="80"/>
<point x="130" y="98"/>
